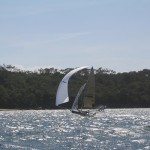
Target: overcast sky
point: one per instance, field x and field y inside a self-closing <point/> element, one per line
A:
<point x="113" y="34"/>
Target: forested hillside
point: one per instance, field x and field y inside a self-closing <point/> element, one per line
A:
<point x="33" y="90"/>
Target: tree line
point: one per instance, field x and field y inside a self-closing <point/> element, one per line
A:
<point x="37" y="89"/>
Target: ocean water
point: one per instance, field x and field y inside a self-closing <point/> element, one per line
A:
<point x="113" y="129"/>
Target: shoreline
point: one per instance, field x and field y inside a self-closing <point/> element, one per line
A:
<point x="60" y="109"/>
<point x="8" y="109"/>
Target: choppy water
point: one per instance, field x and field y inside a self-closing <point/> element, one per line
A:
<point x="119" y="129"/>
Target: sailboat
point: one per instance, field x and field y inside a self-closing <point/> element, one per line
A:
<point x="85" y="95"/>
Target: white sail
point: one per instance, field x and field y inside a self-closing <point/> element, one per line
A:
<point x="62" y="91"/>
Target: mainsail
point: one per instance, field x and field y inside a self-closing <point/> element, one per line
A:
<point x="89" y="93"/>
<point x="62" y="92"/>
<point x="86" y="93"/>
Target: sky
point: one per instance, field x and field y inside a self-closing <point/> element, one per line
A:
<point x="113" y="34"/>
